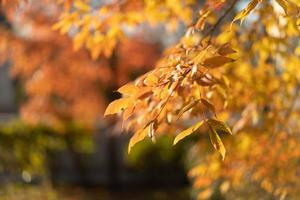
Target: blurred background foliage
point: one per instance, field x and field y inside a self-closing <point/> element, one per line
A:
<point x="27" y="152"/>
<point x="25" y="147"/>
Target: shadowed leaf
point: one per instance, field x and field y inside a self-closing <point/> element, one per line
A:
<point x="187" y="132"/>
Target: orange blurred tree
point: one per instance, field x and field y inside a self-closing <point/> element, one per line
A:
<point x="246" y="75"/>
<point x="63" y="85"/>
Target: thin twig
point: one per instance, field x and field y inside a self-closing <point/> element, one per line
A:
<point x="211" y="31"/>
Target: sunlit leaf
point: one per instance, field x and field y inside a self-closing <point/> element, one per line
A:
<point x="242" y="14"/>
<point x="82" y="5"/>
<point x="151" y="80"/>
<point x="117" y="106"/>
<point x="152" y="129"/>
<point x="137" y="137"/>
<point x="128" y="112"/>
<point x="290" y="8"/>
<point x="128" y="89"/>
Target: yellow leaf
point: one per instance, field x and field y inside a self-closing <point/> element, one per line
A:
<point x="205" y="194"/>
<point x="65" y="27"/>
<point x="221" y="91"/>
<point x="219" y="126"/>
<point x="216" y="61"/>
<point x="80" y="39"/>
<point x="241" y="15"/>
<point x="225" y="49"/>
<point x="216" y="141"/>
<point x="82" y="6"/>
<point x="129" y="89"/>
<point x="117" y="106"/>
<point x="187" y="132"/>
<point x="152" y="129"/>
<point x="137" y="137"/>
<point x="128" y="112"/>
<point x="225" y="82"/>
<point x="144" y="92"/>
<point x="267" y="185"/>
<point x="151" y="80"/>
<point x="224" y="187"/>
<point x="290" y="8"/>
<point x="58" y="25"/>
<point x="187" y="108"/>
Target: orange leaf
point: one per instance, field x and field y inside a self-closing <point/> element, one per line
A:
<point x="144" y="92"/>
<point x="129" y="89"/>
<point x="137" y="137"/>
<point x="128" y="112"/>
<point x="117" y="106"/>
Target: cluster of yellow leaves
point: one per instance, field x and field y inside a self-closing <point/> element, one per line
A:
<point x="290" y="8"/>
<point x="257" y="166"/>
<point x="100" y="27"/>
<point x="264" y="87"/>
<point x="264" y="84"/>
<point x="180" y="87"/>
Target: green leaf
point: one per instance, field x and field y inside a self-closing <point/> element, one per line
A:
<point x="187" y="132"/>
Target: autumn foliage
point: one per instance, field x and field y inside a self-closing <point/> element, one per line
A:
<point x="61" y="83"/>
<point x="236" y="64"/>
